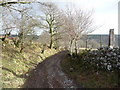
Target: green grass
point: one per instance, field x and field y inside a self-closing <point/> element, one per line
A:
<point x="20" y="63"/>
<point x="89" y="78"/>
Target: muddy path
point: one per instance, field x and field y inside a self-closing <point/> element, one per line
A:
<point x="49" y="74"/>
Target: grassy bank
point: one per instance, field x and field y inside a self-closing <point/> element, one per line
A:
<point x="16" y="65"/>
<point x="87" y="75"/>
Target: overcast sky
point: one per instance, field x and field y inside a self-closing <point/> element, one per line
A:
<point x="105" y="15"/>
<point x="105" y="12"/>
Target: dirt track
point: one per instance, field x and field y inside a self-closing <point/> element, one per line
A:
<point x="49" y="74"/>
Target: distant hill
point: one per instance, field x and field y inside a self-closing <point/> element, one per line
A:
<point x="104" y="39"/>
<point x="93" y="39"/>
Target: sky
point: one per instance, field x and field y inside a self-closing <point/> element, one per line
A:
<point x="105" y="12"/>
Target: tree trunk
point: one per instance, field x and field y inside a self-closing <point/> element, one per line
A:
<point x="86" y="43"/>
<point x="51" y="39"/>
<point x="51" y="42"/>
<point x="71" y="42"/>
<point x="21" y="47"/>
<point x="71" y="47"/>
<point x="75" y="47"/>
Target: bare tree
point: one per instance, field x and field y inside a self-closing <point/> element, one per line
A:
<point x="8" y="17"/>
<point x="18" y="19"/>
<point x="78" y="23"/>
<point x="25" y="26"/>
<point x="50" y="20"/>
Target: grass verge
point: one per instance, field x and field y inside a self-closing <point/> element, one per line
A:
<point x="88" y="77"/>
<point x="16" y="65"/>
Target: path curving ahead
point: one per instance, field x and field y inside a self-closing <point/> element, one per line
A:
<point x="49" y="74"/>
